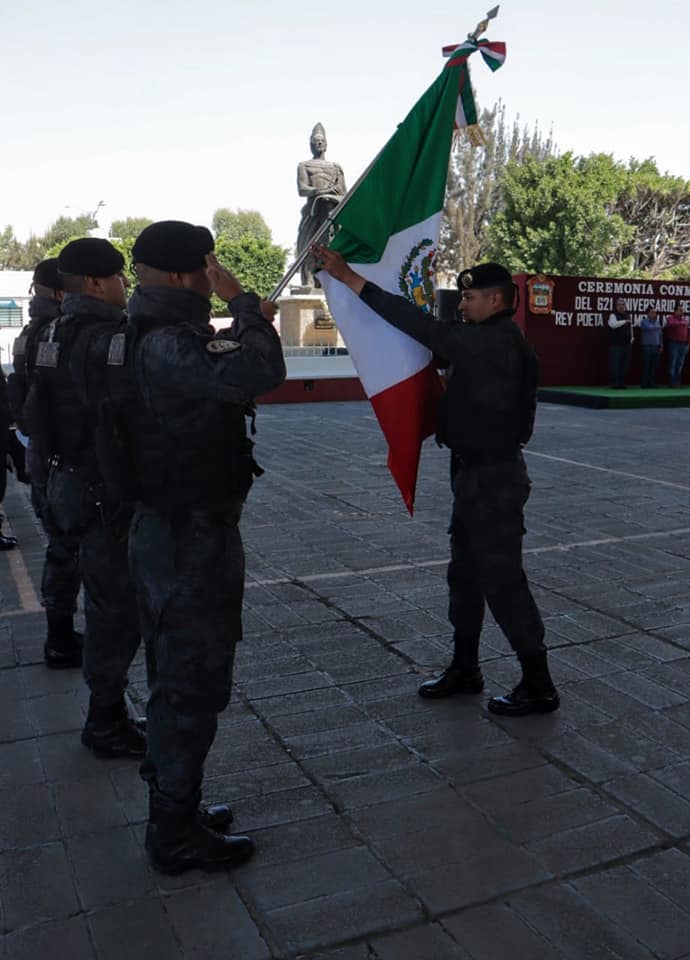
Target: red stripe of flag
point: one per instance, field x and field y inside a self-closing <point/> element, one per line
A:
<point x="407" y="415"/>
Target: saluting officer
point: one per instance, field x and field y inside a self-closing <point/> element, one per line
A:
<point x="193" y="466"/>
<point x="61" y="429"/>
<point x="61" y="577"/>
<point x="486" y="416"/>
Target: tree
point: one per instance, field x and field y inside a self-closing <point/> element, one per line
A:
<point x="235" y="224"/>
<point x="68" y="228"/>
<point x="129" y="228"/>
<point x="11" y="251"/>
<point x="657" y="207"/>
<point x="557" y="216"/>
<point x="473" y="188"/>
<point x="257" y="264"/>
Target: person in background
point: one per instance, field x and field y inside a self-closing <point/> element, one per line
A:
<point x="61" y="578"/>
<point x="60" y="426"/>
<point x="6" y="543"/>
<point x="676" y="343"/>
<point x="620" y="344"/>
<point x="652" y="332"/>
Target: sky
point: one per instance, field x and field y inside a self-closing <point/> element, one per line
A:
<point x="171" y="109"/>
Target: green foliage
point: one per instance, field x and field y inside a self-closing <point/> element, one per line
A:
<point x="657" y="206"/>
<point x="235" y="224"/>
<point x="129" y="228"/>
<point x="12" y="254"/>
<point x="557" y="215"/>
<point x="257" y="264"/>
<point x="473" y="189"/>
<point x="66" y="228"/>
<point x="592" y="215"/>
<point x="54" y="250"/>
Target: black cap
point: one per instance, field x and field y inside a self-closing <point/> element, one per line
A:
<point x="46" y="274"/>
<point x="484" y="276"/>
<point x="174" y="246"/>
<point x="90" y="257"/>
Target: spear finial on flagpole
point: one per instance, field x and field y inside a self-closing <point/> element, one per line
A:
<point x="483" y="25"/>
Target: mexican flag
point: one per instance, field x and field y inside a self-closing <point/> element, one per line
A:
<point x="388" y="232"/>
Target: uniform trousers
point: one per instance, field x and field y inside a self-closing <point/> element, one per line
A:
<point x="110" y="609"/>
<point x="189" y="573"/>
<point x="61" y="579"/>
<point x="486" y="532"/>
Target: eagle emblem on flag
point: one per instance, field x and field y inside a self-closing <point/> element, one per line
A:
<point x="416" y="280"/>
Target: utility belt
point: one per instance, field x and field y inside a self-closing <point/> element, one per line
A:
<point x="482" y="458"/>
<point x="58" y="462"/>
<point x="76" y="498"/>
<point x="228" y="514"/>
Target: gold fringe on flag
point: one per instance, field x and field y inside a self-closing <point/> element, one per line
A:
<point x="475" y="135"/>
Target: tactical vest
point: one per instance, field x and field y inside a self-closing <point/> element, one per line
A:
<point x="201" y="457"/>
<point x="23" y="362"/>
<point x="477" y="424"/>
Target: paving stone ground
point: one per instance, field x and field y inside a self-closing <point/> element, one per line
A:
<point x="389" y="828"/>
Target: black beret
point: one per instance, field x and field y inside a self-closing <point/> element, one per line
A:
<point x="174" y="246"/>
<point x="46" y="274"/>
<point x="484" y="276"/>
<point x="90" y="257"/>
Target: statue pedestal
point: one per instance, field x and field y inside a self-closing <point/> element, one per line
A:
<point x="305" y="321"/>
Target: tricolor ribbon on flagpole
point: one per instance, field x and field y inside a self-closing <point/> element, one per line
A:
<point x="494" y="55"/>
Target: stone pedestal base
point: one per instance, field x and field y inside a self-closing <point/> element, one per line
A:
<point x="306" y="322"/>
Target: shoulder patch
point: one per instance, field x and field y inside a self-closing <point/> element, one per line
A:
<point x="222" y="346"/>
<point x="117" y="350"/>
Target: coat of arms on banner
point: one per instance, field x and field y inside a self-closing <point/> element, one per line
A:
<point x="416" y="280"/>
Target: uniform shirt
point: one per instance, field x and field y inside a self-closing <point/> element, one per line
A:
<point x="652" y="332"/>
<point x="68" y="421"/>
<point x="190" y="449"/>
<point x="42" y="311"/>
<point x="185" y="359"/>
<point x="483" y="410"/>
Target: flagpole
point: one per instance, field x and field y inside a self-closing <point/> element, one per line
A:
<point x="328" y="223"/>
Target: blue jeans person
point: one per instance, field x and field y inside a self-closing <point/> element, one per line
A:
<point x="677" y="352"/>
<point x="619" y="361"/>
<point x="650" y="359"/>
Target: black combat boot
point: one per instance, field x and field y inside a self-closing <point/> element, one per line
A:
<point x="462" y="676"/>
<point x="215" y="816"/>
<point x="179" y="841"/>
<point x="7" y="543"/>
<point x="63" y="646"/>
<point x="535" y="693"/>
<point x="110" y="732"/>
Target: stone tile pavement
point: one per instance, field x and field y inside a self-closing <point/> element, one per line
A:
<point x="389" y="828"/>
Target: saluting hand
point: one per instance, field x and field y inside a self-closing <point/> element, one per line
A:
<point x="224" y="283"/>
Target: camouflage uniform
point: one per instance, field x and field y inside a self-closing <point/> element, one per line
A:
<point x="186" y="553"/>
<point x="75" y="504"/>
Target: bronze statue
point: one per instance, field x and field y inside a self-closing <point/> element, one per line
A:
<point x="323" y="183"/>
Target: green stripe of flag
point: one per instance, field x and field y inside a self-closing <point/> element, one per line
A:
<point x="407" y="182"/>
